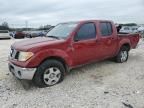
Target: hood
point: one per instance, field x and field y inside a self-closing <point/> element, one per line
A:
<point x="34" y="43"/>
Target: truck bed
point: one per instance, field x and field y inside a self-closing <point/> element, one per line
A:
<point x="134" y="38"/>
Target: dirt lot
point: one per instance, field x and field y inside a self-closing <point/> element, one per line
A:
<point x="100" y="85"/>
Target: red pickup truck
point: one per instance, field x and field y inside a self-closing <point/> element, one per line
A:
<point x="46" y="60"/>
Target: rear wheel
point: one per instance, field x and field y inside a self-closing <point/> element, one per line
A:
<point x="49" y="73"/>
<point x="122" y="55"/>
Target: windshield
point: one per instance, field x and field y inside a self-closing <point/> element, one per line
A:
<point x="62" y="30"/>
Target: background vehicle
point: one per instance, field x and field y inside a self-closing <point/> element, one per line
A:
<point x="129" y="29"/>
<point x="4" y="34"/>
<point x="33" y="34"/>
<point x="46" y="60"/>
<point x="19" y="35"/>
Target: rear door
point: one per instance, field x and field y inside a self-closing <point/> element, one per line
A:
<point x="108" y="39"/>
<point x="85" y="44"/>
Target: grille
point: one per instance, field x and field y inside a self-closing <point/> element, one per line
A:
<point x="14" y="54"/>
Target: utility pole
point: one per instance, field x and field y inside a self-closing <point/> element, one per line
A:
<point x="26" y="24"/>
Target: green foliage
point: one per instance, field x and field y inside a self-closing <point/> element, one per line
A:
<point x="45" y="27"/>
<point x="129" y="24"/>
<point x="4" y="26"/>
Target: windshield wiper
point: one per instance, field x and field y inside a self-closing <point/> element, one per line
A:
<point x="54" y="37"/>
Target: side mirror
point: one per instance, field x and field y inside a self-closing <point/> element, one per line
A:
<point x="76" y="38"/>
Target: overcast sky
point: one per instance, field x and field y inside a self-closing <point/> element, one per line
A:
<point x="40" y="12"/>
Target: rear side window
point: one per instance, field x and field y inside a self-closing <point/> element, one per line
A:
<point x="86" y="31"/>
<point x="106" y="28"/>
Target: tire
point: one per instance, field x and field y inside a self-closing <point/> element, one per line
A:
<point x="49" y="73"/>
<point x="122" y="55"/>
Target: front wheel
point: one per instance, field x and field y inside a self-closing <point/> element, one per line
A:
<point x="122" y="55"/>
<point x="49" y="73"/>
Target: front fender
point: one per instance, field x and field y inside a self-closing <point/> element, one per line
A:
<point x="40" y="56"/>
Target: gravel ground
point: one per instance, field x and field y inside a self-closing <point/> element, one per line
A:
<point x="104" y="84"/>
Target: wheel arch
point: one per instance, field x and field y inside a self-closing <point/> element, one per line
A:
<point x="60" y="59"/>
<point x="122" y="44"/>
<point x="127" y="45"/>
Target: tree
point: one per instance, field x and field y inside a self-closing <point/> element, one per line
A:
<point x="129" y="24"/>
<point x="5" y="24"/>
<point x="45" y="27"/>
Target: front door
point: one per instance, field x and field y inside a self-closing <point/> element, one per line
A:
<point x="85" y="44"/>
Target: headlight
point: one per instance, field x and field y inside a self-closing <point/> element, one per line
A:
<point x="24" y="56"/>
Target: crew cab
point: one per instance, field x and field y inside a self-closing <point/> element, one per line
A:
<point x="46" y="60"/>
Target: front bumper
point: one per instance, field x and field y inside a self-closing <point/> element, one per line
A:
<point x="22" y="73"/>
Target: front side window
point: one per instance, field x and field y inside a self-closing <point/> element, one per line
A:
<point x="106" y="28"/>
<point x="62" y="30"/>
<point x="86" y="31"/>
